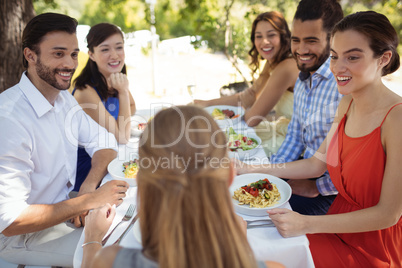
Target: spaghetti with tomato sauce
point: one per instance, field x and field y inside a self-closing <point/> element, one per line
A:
<point x="259" y="194"/>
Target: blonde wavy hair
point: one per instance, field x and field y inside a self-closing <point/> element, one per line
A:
<point x="185" y="209"/>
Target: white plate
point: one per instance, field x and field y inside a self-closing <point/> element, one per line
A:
<point x="244" y="179"/>
<point x="115" y="168"/>
<point x="137" y="231"/>
<point x="224" y="123"/>
<point x="241" y="155"/>
<point x="144" y="115"/>
<point x="135" y="121"/>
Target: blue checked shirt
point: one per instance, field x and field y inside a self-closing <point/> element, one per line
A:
<point x="314" y="110"/>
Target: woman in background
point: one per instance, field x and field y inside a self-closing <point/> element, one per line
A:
<point x="273" y="89"/>
<point x="363" y="226"/>
<point x="185" y="212"/>
<point x="102" y="89"/>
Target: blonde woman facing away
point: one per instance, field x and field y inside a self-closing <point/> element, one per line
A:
<point x="185" y="211"/>
<point x="273" y="89"/>
<point x="102" y="89"/>
<point x="362" y="152"/>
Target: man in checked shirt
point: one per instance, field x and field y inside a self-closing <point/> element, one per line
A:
<point x="316" y="99"/>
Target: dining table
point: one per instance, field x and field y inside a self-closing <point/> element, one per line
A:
<point x="266" y="242"/>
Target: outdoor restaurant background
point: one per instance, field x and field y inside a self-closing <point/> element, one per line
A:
<point x="178" y="65"/>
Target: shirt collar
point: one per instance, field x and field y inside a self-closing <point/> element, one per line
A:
<point x="38" y="102"/>
<point x="323" y="71"/>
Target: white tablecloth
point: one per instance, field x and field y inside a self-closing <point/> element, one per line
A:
<point x="266" y="242"/>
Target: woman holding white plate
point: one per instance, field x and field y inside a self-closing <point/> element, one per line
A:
<point x="185" y="211"/>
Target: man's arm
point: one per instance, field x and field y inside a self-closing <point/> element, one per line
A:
<point x="98" y="170"/>
<point x="325" y="185"/>
<point x="41" y="216"/>
<point x="100" y="145"/>
<point x="99" y="163"/>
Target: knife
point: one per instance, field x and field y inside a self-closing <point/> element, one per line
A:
<point x="126" y="231"/>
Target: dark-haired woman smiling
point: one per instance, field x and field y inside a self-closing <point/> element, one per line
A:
<point x="102" y="89"/>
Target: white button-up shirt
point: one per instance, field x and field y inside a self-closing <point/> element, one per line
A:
<point x="38" y="147"/>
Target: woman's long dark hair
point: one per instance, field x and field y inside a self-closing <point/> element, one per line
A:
<point x="90" y="75"/>
<point x="279" y="23"/>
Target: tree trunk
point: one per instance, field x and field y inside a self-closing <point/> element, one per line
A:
<point x="14" y="15"/>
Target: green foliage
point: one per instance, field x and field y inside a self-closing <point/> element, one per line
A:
<point x="72" y="7"/>
<point x="392" y="9"/>
<point x="206" y="18"/>
<point x="127" y="14"/>
<point x="41" y="5"/>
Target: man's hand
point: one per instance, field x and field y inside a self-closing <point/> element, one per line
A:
<point x="306" y="188"/>
<point x="85" y="188"/>
<point x="111" y="192"/>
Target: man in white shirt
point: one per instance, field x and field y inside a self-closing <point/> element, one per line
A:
<point x="41" y="128"/>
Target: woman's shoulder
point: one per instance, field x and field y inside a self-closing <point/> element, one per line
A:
<point x="344" y="104"/>
<point x="394" y="113"/>
<point x="289" y="62"/>
<point x="287" y="65"/>
<point x="391" y="127"/>
<point x="87" y="94"/>
<point x="131" y="257"/>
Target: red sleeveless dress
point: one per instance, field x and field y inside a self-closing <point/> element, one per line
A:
<point x="356" y="167"/>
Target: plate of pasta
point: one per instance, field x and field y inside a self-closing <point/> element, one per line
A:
<point x="254" y="193"/>
<point x="226" y="115"/>
<point x="125" y="170"/>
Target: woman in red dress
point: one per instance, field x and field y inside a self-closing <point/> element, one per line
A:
<point x="363" y="227"/>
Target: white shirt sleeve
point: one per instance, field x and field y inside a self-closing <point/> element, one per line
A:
<point x="15" y="170"/>
<point x="91" y="135"/>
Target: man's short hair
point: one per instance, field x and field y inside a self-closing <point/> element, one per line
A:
<point x="42" y="24"/>
<point x="330" y="11"/>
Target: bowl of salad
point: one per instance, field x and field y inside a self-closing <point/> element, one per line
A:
<point x="125" y="170"/>
<point x="241" y="144"/>
<point x="226" y="115"/>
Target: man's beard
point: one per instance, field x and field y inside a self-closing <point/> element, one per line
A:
<point x="320" y="61"/>
<point x="49" y="76"/>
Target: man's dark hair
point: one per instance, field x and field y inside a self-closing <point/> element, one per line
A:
<point x="330" y="11"/>
<point x="42" y="24"/>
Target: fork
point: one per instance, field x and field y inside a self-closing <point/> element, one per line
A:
<point x="259" y="223"/>
<point x="129" y="214"/>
